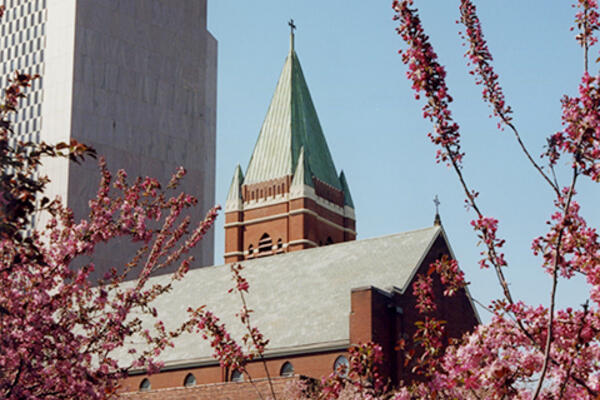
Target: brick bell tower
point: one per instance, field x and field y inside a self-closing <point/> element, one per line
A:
<point x="291" y="197"/>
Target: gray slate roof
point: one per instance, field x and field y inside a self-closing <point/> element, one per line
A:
<point x="301" y="299"/>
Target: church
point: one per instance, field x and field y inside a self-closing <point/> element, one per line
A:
<point x="314" y="289"/>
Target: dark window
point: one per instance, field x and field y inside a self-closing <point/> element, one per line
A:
<point x="265" y="244"/>
<point x="328" y="241"/>
<point x="237" y="376"/>
<point x="279" y="243"/>
<point x="287" y="369"/>
<point x="145" y="385"/>
<point x="190" y="380"/>
<point x="341" y="365"/>
<point x="250" y="251"/>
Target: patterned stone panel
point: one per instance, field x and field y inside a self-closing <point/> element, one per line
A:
<point x="22" y="42"/>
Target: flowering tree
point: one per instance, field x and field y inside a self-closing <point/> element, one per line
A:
<point x="58" y="330"/>
<point x="524" y="352"/>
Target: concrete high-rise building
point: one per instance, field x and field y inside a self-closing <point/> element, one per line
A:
<point x="135" y="79"/>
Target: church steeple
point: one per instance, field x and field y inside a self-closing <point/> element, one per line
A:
<point x="291" y="195"/>
<point x="290" y="124"/>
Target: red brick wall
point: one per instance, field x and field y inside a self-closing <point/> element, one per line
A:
<point x="457" y="310"/>
<point x="375" y="315"/>
<point x="385" y="319"/>
<point x="314" y="365"/>
<point x="288" y="227"/>
<point x="216" y="391"/>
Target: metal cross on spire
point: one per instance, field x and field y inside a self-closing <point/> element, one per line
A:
<point x="292" y="29"/>
<point x="437" y="220"/>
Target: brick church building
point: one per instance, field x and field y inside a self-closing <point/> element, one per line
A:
<point x="314" y="288"/>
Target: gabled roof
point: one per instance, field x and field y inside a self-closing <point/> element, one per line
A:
<point x="290" y="124"/>
<point x="301" y="300"/>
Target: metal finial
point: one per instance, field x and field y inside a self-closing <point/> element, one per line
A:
<point x="437" y="220"/>
<point x="292" y="29"/>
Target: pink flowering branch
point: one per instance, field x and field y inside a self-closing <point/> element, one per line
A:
<point x="569" y="247"/>
<point x="253" y="335"/>
<point x="361" y="378"/>
<point x="60" y="330"/>
<point x="430" y="331"/>
<point x="587" y="20"/>
<point x="428" y="76"/>
<point x="230" y="354"/>
<point x="581" y="139"/>
<point x="480" y="58"/>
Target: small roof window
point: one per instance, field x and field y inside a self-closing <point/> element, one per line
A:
<point x="341" y="366"/>
<point x="145" y="385"/>
<point x="287" y="369"/>
<point x="237" y="376"/>
<point x="265" y="244"/>
<point x="190" y="380"/>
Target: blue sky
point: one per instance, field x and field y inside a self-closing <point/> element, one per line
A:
<point x="373" y="125"/>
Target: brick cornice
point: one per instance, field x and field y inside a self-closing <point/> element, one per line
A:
<point x="285" y="215"/>
<point x="311" y="348"/>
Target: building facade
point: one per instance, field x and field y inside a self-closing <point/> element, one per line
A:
<point x="312" y="305"/>
<point x="134" y="79"/>
<point x="314" y="289"/>
<point x="291" y="197"/>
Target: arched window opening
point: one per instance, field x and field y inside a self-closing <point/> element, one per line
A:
<point x="237" y="376"/>
<point x="145" y="385"/>
<point x="278" y="189"/>
<point x="287" y="369"/>
<point x="190" y="380"/>
<point x="265" y="244"/>
<point x="279" y="244"/>
<point x="328" y="241"/>
<point x="250" y="251"/>
<point x="341" y="366"/>
<point x="270" y="192"/>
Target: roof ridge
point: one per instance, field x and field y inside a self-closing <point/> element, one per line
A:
<point x="333" y="245"/>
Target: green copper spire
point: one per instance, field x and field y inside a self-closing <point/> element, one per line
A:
<point x="234" y="197"/>
<point x="347" y="198"/>
<point x="303" y="175"/>
<point x="290" y="124"/>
